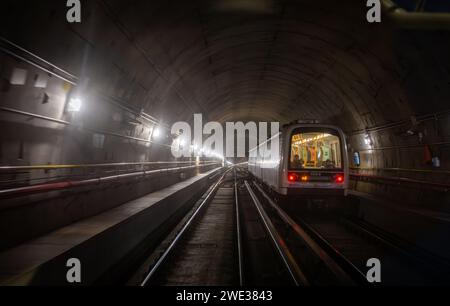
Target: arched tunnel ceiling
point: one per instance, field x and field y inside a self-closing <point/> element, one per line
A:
<point x="236" y="59"/>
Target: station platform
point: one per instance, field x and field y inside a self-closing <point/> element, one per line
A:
<point x="99" y="242"/>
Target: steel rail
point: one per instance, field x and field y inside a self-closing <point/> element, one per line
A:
<point x="335" y="254"/>
<point x="238" y="233"/>
<point x="413" y="253"/>
<point x="346" y="277"/>
<point x="291" y="265"/>
<point x="178" y="237"/>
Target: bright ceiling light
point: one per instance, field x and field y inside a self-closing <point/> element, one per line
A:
<point x="156" y="132"/>
<point x="74" y="104"/>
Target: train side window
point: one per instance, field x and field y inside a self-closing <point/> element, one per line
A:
<point x="356" y="159"/>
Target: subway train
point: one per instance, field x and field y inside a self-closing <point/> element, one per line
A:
<point x="312" y="161"/>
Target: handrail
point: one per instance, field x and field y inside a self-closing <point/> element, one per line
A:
<point x="401" y="170"/>
<point x="95" y="181"/>
<point x="72" y="77"/>
<point x="29" y="57"/>
<point x="440" y="143"/>
<point x="53" y="167"/>
<point x="415" y="20"/>
<point x="398" y="180"/>
<point x="67" y="123"/>
<point x="391" y="125"/>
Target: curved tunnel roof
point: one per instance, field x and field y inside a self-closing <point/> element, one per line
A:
<point x="245" y="60"/>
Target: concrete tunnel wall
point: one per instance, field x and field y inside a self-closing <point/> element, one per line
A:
<point x="274" y="60"/>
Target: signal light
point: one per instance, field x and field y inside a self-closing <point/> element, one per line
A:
<point x="304" y="178"/>
<point x="339" y="178"/>
<point x="292" y="177"/>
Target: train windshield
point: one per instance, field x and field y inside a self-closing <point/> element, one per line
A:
<point x="312" y="149"/>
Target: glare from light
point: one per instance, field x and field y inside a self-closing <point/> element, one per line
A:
<point x="156" y="132"/>
<point x="74" y="104"/>
<point x="368" y="141"/>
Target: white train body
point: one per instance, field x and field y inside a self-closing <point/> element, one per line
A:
<point x="312" y="160"/>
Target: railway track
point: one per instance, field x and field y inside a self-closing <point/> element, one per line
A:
<point x="318" y="268"/>
<point x="343" y="246"/>
<point x="355" y="243"/>
<point x="226" y="240"/>
<point x="267" y="260"/>
<point x="203" y="250"/>
<point x="237" y="235"/>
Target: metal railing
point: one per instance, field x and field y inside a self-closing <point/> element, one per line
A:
<point x="415" y="20"/>
<point x="104" y="165"/>
<point x="68" y="184"/>
<point x="67" y="123"/>
<point x="407" y="182"/>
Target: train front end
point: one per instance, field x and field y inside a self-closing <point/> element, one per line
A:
<point x="315" y="161"/>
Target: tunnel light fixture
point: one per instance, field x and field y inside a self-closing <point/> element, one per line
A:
<point x="19" y="76"/>
<point x="74" y="105"/>
<point x="156" y="133"/>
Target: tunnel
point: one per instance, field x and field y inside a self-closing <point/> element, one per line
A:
<point x="90" y="91"/>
